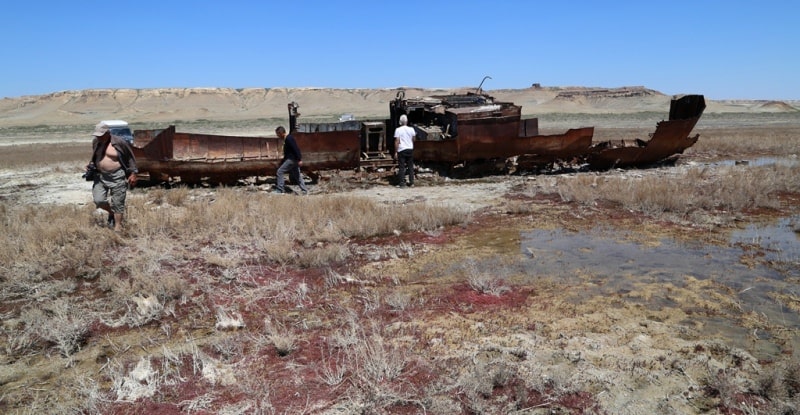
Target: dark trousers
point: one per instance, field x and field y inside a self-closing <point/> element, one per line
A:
<point x="289" y="166"/>
<point x="405" y="162"/>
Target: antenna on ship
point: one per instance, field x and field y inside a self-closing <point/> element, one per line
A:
<point x="478" y="91"/>
<point x="293" y="114"/>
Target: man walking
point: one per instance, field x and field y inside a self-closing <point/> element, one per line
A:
<point x="292" y="160"/>
<point x="113" y="158"/>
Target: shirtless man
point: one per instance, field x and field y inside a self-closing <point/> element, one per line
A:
<point x="116" y="168"/>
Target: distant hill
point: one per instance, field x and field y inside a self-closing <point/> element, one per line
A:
<point x="226" y="104"/>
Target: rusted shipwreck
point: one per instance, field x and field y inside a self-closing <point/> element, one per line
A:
<point x="452" y="130"/>
<point x="475" y="129"/>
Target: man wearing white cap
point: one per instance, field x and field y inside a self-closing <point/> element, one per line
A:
<point x="112" y="156"/>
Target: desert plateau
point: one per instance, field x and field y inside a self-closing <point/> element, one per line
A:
<point x="672" y="289"/>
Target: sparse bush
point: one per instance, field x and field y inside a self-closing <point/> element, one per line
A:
<point x="377" y="367"/>
<point x="139" y="382"/>
<point x="199" y="403"/>
<point x="791" y="377"/>
<point x="177" y="196"/>
<point x="722" y="384"/>
<point x="398" y="300"/>
<point x="484" y="377"/>
<point x="236" y="219"/>
<point x="60" y="323"/>
<point x="283" y="339"/>
<point x="48" y="240"/>
<point x="369" y="298"/>
<point x="226" y="320"/>
<point x="89" y="395"/>
<point x="148" y="308"/>
<point x="377" y="361"/>
<point x="350" y="334"/>
<point x="320" y="256"/>
<point x="333" y="278"/>
<point x="482" y="280"/>
<point x="520" y="206"/>
<point x="333" y="367"/>
<point x="229" y="347"/>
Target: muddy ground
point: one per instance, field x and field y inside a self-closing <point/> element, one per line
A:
<point x="574" y="325"/>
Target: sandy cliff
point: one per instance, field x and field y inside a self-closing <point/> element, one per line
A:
<point x="223" y="104"/>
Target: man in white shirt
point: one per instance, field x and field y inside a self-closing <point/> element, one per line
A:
<point x="403" y="151"/>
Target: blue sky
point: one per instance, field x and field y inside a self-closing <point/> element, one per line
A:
<point x="723" y="49"/>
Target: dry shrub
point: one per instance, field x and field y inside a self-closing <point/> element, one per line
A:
<point x="485" y="277"/>
<point x="653" y="196"/>
<point x="360" y="217"/>
<point x="34" y="292"/>
<point x="321" y="256"/>
<point x="19" y="341"/>
<point x="332" y="367"/>
<point x="520" y="206"/>
<point x="723" y="384"/>
<point x="148" y="308"/>
<point x="377" y="366"/>
<point x="398" y="300"/>
<point x="378" y="361"/>
<point x="780" y="385"/>
<point x="157" y="196"/>
<point x="60" y="323"/>
<point x="154" y="272"/>
<point x="230" y="348"/>
<point x="141" y="381"/>
<point x="479" y="382"/>
<point x="350" y="334"/>
<point x="647" y="194"/>
<point x="164" y="285"/>
<point x="177" y="196"/>
<point x="228" y="320"/>
<point x="580" y="188"/>
<point x="369" y="298"/>
<point x="198" y="404"/>
<point x="282" y="338"/>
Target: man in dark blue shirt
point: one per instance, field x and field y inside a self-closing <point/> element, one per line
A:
<point x="292" y="160"/>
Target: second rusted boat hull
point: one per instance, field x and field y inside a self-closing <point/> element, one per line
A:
<point x="670" y="139"/>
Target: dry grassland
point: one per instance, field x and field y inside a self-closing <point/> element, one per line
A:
<point x="233" y="301"/>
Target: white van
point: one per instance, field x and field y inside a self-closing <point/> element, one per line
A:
<point x="120" y="129"/>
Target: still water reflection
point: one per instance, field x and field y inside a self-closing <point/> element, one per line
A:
<point x="760" y="260"/>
